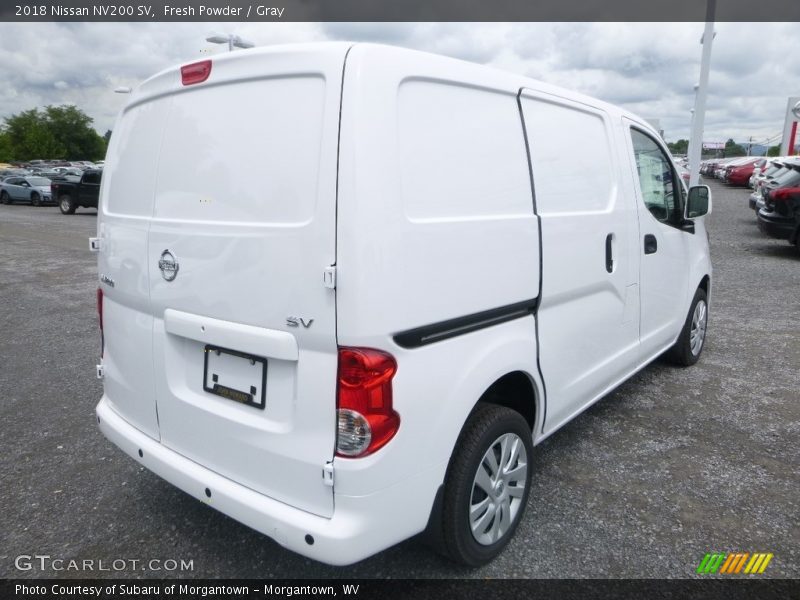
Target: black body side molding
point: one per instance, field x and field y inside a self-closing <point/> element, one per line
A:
<point x="436" y="332"/>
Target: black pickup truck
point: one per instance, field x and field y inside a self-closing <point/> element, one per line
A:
<point x="72" y="193"/>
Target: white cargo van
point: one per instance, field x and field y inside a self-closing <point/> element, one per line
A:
<point x="345" y="289"/>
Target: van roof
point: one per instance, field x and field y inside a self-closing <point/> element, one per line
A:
<point x="243" y="62"/>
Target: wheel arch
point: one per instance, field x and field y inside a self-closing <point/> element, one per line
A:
<point x="515" y="390"/>
<point x="705" y="285"/>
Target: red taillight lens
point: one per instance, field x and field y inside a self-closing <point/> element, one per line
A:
<point x="365" y="415"/>
<point x="784" y="194"/>
<point x="196" y="72"/>
<point x="781" y="199"/>
<point x="100" y="319"/>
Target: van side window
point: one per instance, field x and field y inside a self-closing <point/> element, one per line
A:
<point x="662" y="192"/>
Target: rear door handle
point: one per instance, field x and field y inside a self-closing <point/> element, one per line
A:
<point x="609" y="255"/>
<point x="650" y="244"/>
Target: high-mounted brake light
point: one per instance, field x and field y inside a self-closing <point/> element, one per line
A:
<point x="100" y="320"/>
<point x="366" y="417"/>
<point x="196" y="72"/>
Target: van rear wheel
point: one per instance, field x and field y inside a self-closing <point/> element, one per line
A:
<point x="687" y="349"/>
<point x="487" y="486"/>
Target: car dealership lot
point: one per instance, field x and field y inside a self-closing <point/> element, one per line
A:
<point x="674" y="464"/>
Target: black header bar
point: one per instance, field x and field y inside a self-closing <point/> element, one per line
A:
<point x="150" y="11"/>
<point x="734" y="588"/>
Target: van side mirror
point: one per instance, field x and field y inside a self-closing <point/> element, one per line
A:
<point x="699" y="202"/>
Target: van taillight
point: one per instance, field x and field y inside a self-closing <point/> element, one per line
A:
<point x="196" y="72"/>
<point x="100" y="320"/>
<point x="365" y="416"/>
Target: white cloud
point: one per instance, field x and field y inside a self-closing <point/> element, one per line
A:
<point x="649" y="68"/>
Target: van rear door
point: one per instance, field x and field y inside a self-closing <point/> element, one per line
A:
<point x="124" y="215"/>
<point x="243" y="229"/>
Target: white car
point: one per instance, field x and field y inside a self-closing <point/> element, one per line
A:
<point x="370" y="341"/>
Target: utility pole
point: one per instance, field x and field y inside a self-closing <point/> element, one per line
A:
<point x="696" y="139"/>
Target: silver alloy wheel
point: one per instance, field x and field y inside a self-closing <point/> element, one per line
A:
<point x="498" y="488"/>
<point x="65" y="204"/>
<point x="697" y="335"/>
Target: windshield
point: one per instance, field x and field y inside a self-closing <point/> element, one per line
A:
<point x="38" y="181"/>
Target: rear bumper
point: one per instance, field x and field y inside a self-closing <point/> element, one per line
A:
<point x="777" y="227"/>
<point x="360" y="527"/>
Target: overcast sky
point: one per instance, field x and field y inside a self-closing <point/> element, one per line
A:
<point x="649" y="69"/>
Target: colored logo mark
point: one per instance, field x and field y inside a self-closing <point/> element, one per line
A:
<point x="734" y="563"/>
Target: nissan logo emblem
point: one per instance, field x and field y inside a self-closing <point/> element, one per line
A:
<point x="168" y="265"/>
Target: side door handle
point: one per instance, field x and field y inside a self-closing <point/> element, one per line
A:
<point x="609" y="254"/>
<point x="650" y="244"/>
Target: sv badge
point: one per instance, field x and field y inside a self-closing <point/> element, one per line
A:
<point x="298" y="321"/>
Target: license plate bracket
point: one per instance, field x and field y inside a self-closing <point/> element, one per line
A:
<point x="235" y="376"/>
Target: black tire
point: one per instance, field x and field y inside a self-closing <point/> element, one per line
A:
<point x="66" y="204"/>
<point x="682" y="353"/>
<point x="450" y="530"/>
<point x="5" y="198"/>
<point x="36" y="199"/>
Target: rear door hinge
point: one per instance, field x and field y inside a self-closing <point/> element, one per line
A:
<point x="95" y="244"/>
<point x="327" y="473"/>
<point x="329" y="277"/>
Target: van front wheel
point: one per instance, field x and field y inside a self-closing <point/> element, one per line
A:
<point x="687" y="349"/>
<point x="487" y="485"/>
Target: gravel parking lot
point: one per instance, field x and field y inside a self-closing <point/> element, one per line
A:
<point x="674" y="464"/>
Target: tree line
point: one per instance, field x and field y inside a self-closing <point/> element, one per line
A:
<point x="731" y="148"/>
<point x="53" y="132"/>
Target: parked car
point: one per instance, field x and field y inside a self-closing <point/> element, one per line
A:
<point x="780" y="216"/>
<point x="262" y="355"/>
<point x="29" y="188"/>
<point x="70" y="194"/>
<point x="719" y="171"/>
<point x="14" y="172"/>
<point x="739" y="172"/>
<point x="775" y="167"/>
<point x="767" y="169"/>
<point x="787" y="177"/>
<point x="68" y="171"/>
<point x="684" y="173"/>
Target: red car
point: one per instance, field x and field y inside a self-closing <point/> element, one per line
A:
<point x="739" y="174"/>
